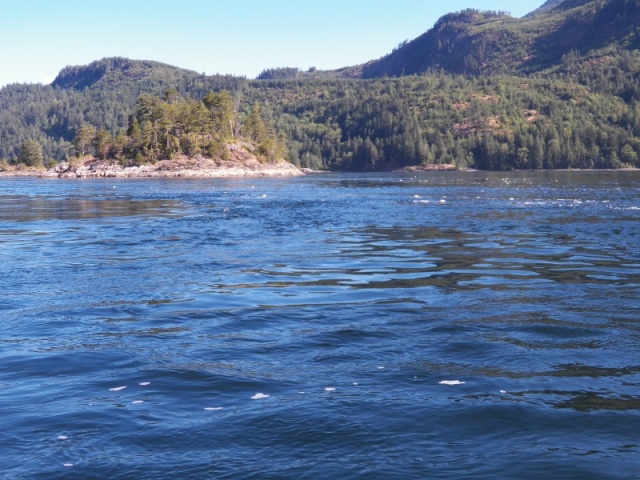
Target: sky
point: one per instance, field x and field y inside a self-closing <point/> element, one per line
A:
<point x="240" y="37"/>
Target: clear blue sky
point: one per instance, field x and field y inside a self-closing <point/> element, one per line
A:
<point x="241" y="37"/>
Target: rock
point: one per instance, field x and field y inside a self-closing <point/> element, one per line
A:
<point x="241" y="163"/>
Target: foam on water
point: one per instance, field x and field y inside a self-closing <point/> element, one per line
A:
<point x="259" y="396"/>
<point x="451" y="382"/>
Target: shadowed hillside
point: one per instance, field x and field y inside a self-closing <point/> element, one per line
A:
<point x="473" y="42"/>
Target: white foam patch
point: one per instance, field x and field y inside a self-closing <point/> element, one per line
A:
<point x="451" y="382"/>
<point x="302" y="393"/>
<point x="259" y="396"/>
<point x="380" y="368"/>
<point x="355" y="383"/>
<point x="503" y="391"/>
<point x="329" y="389"/>
<point x="71" y="464"/>
<point x="144" y="384"/>
<point x="213" y="409"/>
<point x="62" y="437"/>
<point x="136" y="402"/>
<point x="117" y="389"/>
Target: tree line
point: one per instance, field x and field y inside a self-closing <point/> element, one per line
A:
<point x="164" y="127"/>
<point x="573" y="118"/>
<point x="582" y="113"/>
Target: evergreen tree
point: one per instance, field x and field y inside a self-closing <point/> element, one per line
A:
<point x="254" y="125"/>
<point x="30" y="154"/>
<point x="222" y="110"/>
<point x="84" y="139"/>
<point x="102" y="142"/>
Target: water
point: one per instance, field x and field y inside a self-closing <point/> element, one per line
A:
<point x="345" y="301"/>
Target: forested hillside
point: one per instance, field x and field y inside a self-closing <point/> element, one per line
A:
<point x="473" y="42"/>
<point x="102" y="94"/>
<point x="559" y="88"/>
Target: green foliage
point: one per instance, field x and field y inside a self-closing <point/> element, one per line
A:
<point x="222" y="110"/>
<point x="30" y="154"/>
<point x="500" y="122"/>
<point x="282" y="73"/>
<point x="490" y="43"/>
<point x="163" y="127"/>
<point x="84" y="139"/>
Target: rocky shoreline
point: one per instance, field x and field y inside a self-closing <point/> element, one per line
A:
<point x="180" y="167"/>
<point x="440" y="167"/>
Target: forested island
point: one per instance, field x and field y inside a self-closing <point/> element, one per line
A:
<point x="557" y="89"/>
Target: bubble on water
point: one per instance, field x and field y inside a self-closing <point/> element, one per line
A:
<point x="443" y="201"/>
<point x="213" y="409"/>
<point x="259" y="396"/>
<point x="144" y="384"/>
<point x="451" y="382"/>
<point x="330" y="389"/>
<point x="117" y="389"/>
<point x="136" y="402"/>
<point x="62" y="437"/>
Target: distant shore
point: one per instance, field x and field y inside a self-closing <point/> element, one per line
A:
<point x="436" y="167"/>
<point x="201" y="167"/>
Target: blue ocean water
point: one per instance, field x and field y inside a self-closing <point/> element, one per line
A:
<point x="463" y="325"/>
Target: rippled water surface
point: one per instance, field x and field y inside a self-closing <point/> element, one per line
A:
<point x="459" y="325"/>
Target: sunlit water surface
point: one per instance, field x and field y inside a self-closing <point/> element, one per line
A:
<point x="459" y="325"/>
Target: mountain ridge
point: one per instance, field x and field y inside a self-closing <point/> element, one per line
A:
<point x="479" y="89"/>
<point x="472" y="42"/>
<point x="112" y="69"/>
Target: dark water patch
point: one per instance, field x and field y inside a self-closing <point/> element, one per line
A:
<point x="34" y="209"/>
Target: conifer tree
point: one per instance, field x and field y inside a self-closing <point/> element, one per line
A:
<point x="30" y="154"/>
<point x="84" y="138"/>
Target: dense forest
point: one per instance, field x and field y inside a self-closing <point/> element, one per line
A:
<point x="479" y="90"/>
<point x="162" y="128"/>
